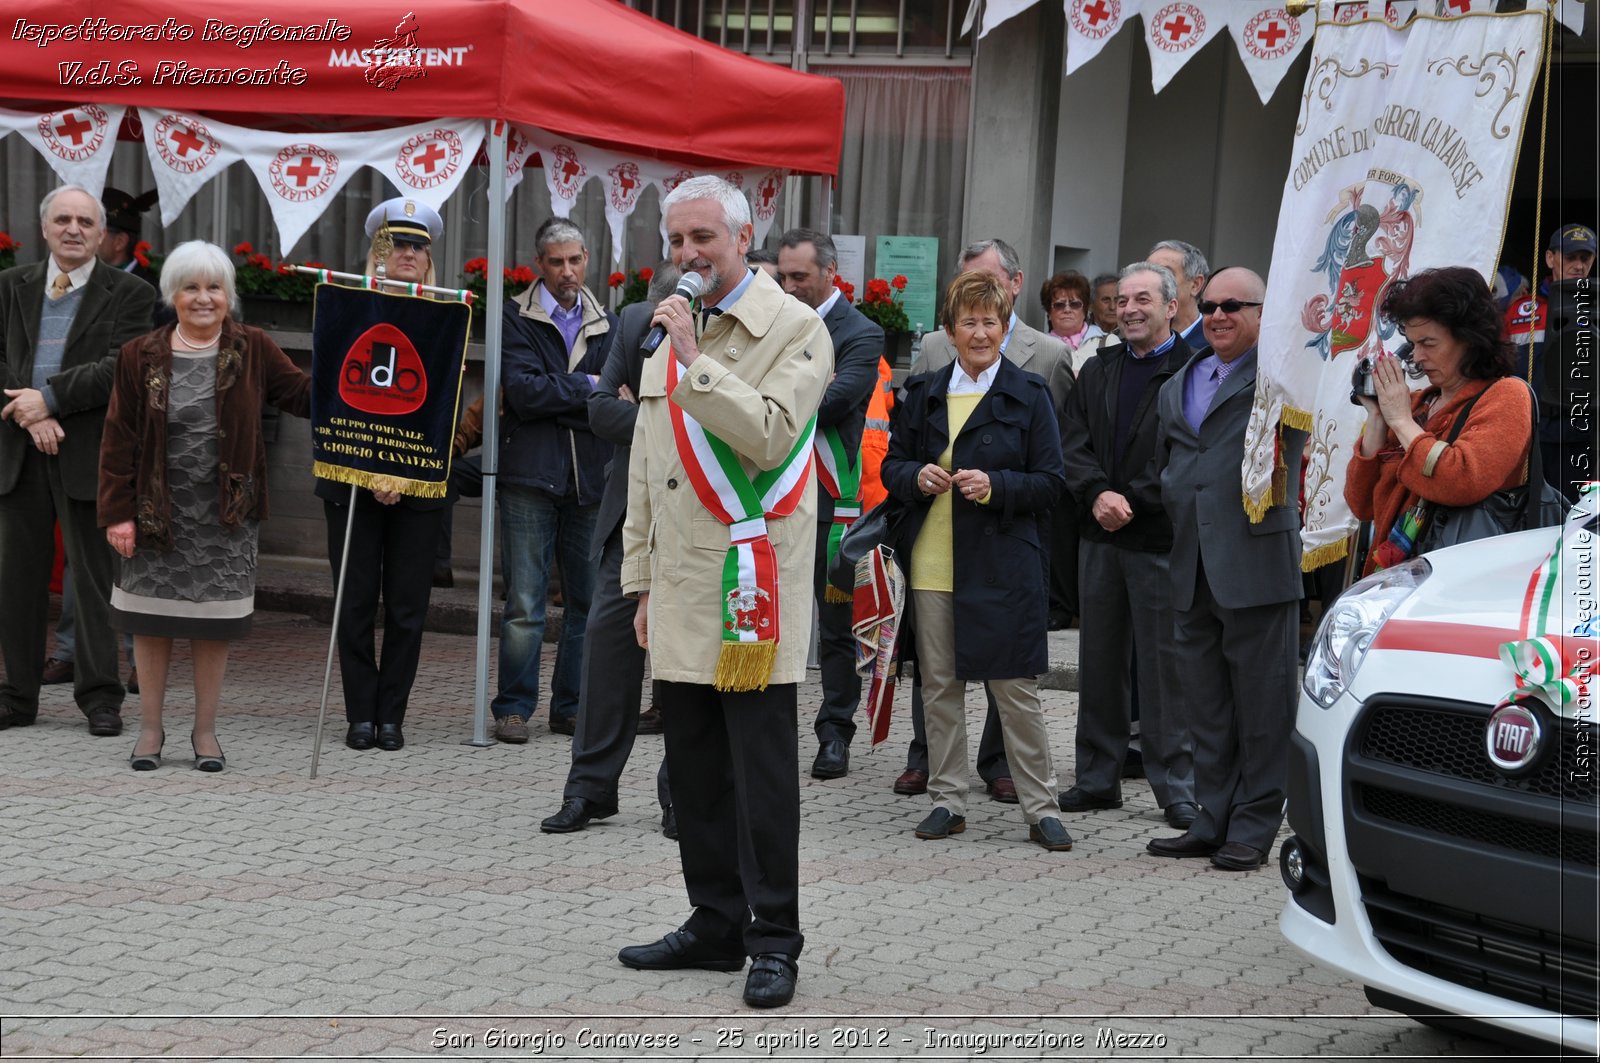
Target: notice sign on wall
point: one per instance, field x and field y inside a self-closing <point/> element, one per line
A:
<point x="385" y="384"/>
<point x="917" y="259"/>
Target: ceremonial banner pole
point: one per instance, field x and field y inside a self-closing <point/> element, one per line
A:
<point x="333" y="633"/>
<point x="491" y="426"/>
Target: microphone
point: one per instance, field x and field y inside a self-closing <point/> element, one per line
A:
<point x="689" y="286"/>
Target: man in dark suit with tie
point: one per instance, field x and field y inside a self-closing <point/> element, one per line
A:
<point x="613" y="660"/>
<point x="1236" y="586"/>
<point x="1046" y="357"/>
<point x="61" y="323"/>
<point x="807" y="261"/>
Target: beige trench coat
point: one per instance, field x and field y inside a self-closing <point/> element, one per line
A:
<point x="763" y="367"/>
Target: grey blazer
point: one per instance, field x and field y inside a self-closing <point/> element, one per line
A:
<point x="116" y="307"/>
<point x="1202" y="488"/>
<point x="612" y="417"/>
<point x="1029" y="349"/>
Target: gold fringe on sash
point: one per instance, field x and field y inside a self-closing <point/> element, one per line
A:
<point x="376" y="481"/>
<point x="1326" y="554"/>
<point x="745" y="665"/>
<point x="836" y="596"/>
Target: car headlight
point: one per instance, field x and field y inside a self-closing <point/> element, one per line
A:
<point x="1346" y="633"/>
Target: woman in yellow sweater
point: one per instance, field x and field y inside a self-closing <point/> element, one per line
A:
<point x="976" y="452"/>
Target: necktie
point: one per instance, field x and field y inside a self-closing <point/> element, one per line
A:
<point x="707" y="314"/>
<point x="60" y="285"/>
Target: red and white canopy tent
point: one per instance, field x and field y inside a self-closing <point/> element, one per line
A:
<point x="411" y="89"/>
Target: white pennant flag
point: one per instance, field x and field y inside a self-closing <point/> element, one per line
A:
<point x="435" y="159"/>
<point x="764" y="203"/>
<point x="1175" y="32"/>
<point x="564" y="173"/>
<point x="1456" y="8"/>
<point x="1091" y="23"/>
<point x="1269" y="38"/>
<point x="1354" y="11"/>
<point x="1402" y="161"/>
<point x="1398" y="13"/>
<point x="76" y="141"/>
<point x="519" y="146"/>
<point x="184" y="154"/>
<point x="1570" y="14"/>
<point x="666" y="184"/>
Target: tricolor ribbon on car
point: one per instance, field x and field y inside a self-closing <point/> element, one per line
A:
<point x="1548" y="662"/>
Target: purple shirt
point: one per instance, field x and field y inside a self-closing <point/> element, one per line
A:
<point x="567" y="322"/>
<point x="1200" y="386"/>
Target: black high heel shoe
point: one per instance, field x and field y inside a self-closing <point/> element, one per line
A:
<point x="207" y="762"/>
<point x="148" y="761"/>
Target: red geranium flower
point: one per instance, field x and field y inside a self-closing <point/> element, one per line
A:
<point x="846" y="287"/>
<point x="7" y="243"/>
<point x="141" y="253"/>
<point x="245" y="248"/>
<point x="617" y="280"/>
<point x="476" y="265"/>
<point x="899" y="282"/>
<point x="645" y="273"/>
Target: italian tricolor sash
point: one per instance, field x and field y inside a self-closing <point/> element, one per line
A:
<point x="839" y="474"/>
<point x="749" y="598"/>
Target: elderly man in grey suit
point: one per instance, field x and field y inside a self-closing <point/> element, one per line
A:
<point x="1046" y="357"/>
<point x="613" y="660"/>
<point x="1236" y="586"/>
<point x="61" y="323"/>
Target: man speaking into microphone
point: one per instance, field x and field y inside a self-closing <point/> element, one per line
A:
<point x="718" y="549"/>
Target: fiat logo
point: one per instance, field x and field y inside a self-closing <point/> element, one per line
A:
<point x="1512" y="739"/>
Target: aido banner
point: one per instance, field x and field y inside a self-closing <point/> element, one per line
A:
<point x="385" y="386"/>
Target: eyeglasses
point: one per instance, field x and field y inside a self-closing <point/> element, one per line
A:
<point x="1067" y="304"/>
<point x="1227" y="306"/>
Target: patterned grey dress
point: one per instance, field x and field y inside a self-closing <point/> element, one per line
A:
<point x="204" y="587"/>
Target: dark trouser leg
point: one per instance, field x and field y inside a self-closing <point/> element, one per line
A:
<point x="466" y="481"/>
<point x="97" y="682"/>
<point x="27" y="544"/>
<point x="574" y="537"/>
<point x="1197" y="643"/>
<point x="1065" y="588"/>
<point x="613" y="672"/>
<point x="358" y="609"/>
<point x="734" y="761"/>
<point x="1168" y="747"/>
<point x="1106" y="646"/>
<point x="841" y="687"/>
<point x="407" y="586"/>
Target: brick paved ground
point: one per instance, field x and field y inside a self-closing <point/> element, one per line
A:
<point x="258" y="913"/>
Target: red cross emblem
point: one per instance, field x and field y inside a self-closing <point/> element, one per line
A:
<point x="1177" y="28"/>
<point x="1272" y="34"/>
<point x="186" y="140"/>
<point x="303" y="171"/>
<point x="625" y="186"/>
<point x="74" y="127"/>
<point x="1462" y="6"/>
<point x="184" y="144"/>
<point x="1095" y="19"/>
<point x="1097" y="12"/>
<point x="431" y="156"/>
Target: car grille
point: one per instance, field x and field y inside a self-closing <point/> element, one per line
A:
<point x="1419" y="781"/>
<point x="1495" y="956"/>
<point x="1451" y="744"/>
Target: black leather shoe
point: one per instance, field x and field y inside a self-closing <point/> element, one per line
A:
<point x="564" y="725"/>
<point x="390" y="737"/>
<point x="669" y="823"/>
<point x="1182" y="814"/>
<point x="1237" y="856"/>
<point x="1078" y="799"/>
<point x="443" y="576"/>
<point x="677" y="951"/>
<point x="361" y="736"/>
<point x="940" y="823"/>
<point x="575" y="814"/>
<point x="1049" y="833"/>
<point x="105" y="723"/>
<point x="770" y="983"/>
<point x="833" y="760"/>
<point x="10" y="717"/>
<point x="1185" y="845"/>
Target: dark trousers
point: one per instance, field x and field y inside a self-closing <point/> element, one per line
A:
<point x="734" y="760"/>
<point x="1064" y="593"/>
<point x="992" y="763"/>
<point x="389" y="556"/>
<point x="466" y="481"/>
<point x="28" y="516"/>
<point x="841" y="687"/>
<point x="1128" y="595"/>
<point x="1238" y="668"/>
<point x="608" y="700"/>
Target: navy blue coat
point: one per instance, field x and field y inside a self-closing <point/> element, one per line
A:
<point x="1002" y="562"/>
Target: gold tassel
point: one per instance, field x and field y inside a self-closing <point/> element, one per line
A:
<point x="745" y="665"/>
<point x="1325" y="555"/>
<point x="1255" y="510"/>
<point x="836" y="596"/>
<point x="377" y="481"/>
<point x="1294" y="418"/>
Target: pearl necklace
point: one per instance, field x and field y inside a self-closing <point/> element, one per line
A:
<point x="177" y="330"/>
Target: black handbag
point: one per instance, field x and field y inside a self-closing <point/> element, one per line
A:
<point x="878" y="526"/>
<point x="1512" y="510"/>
